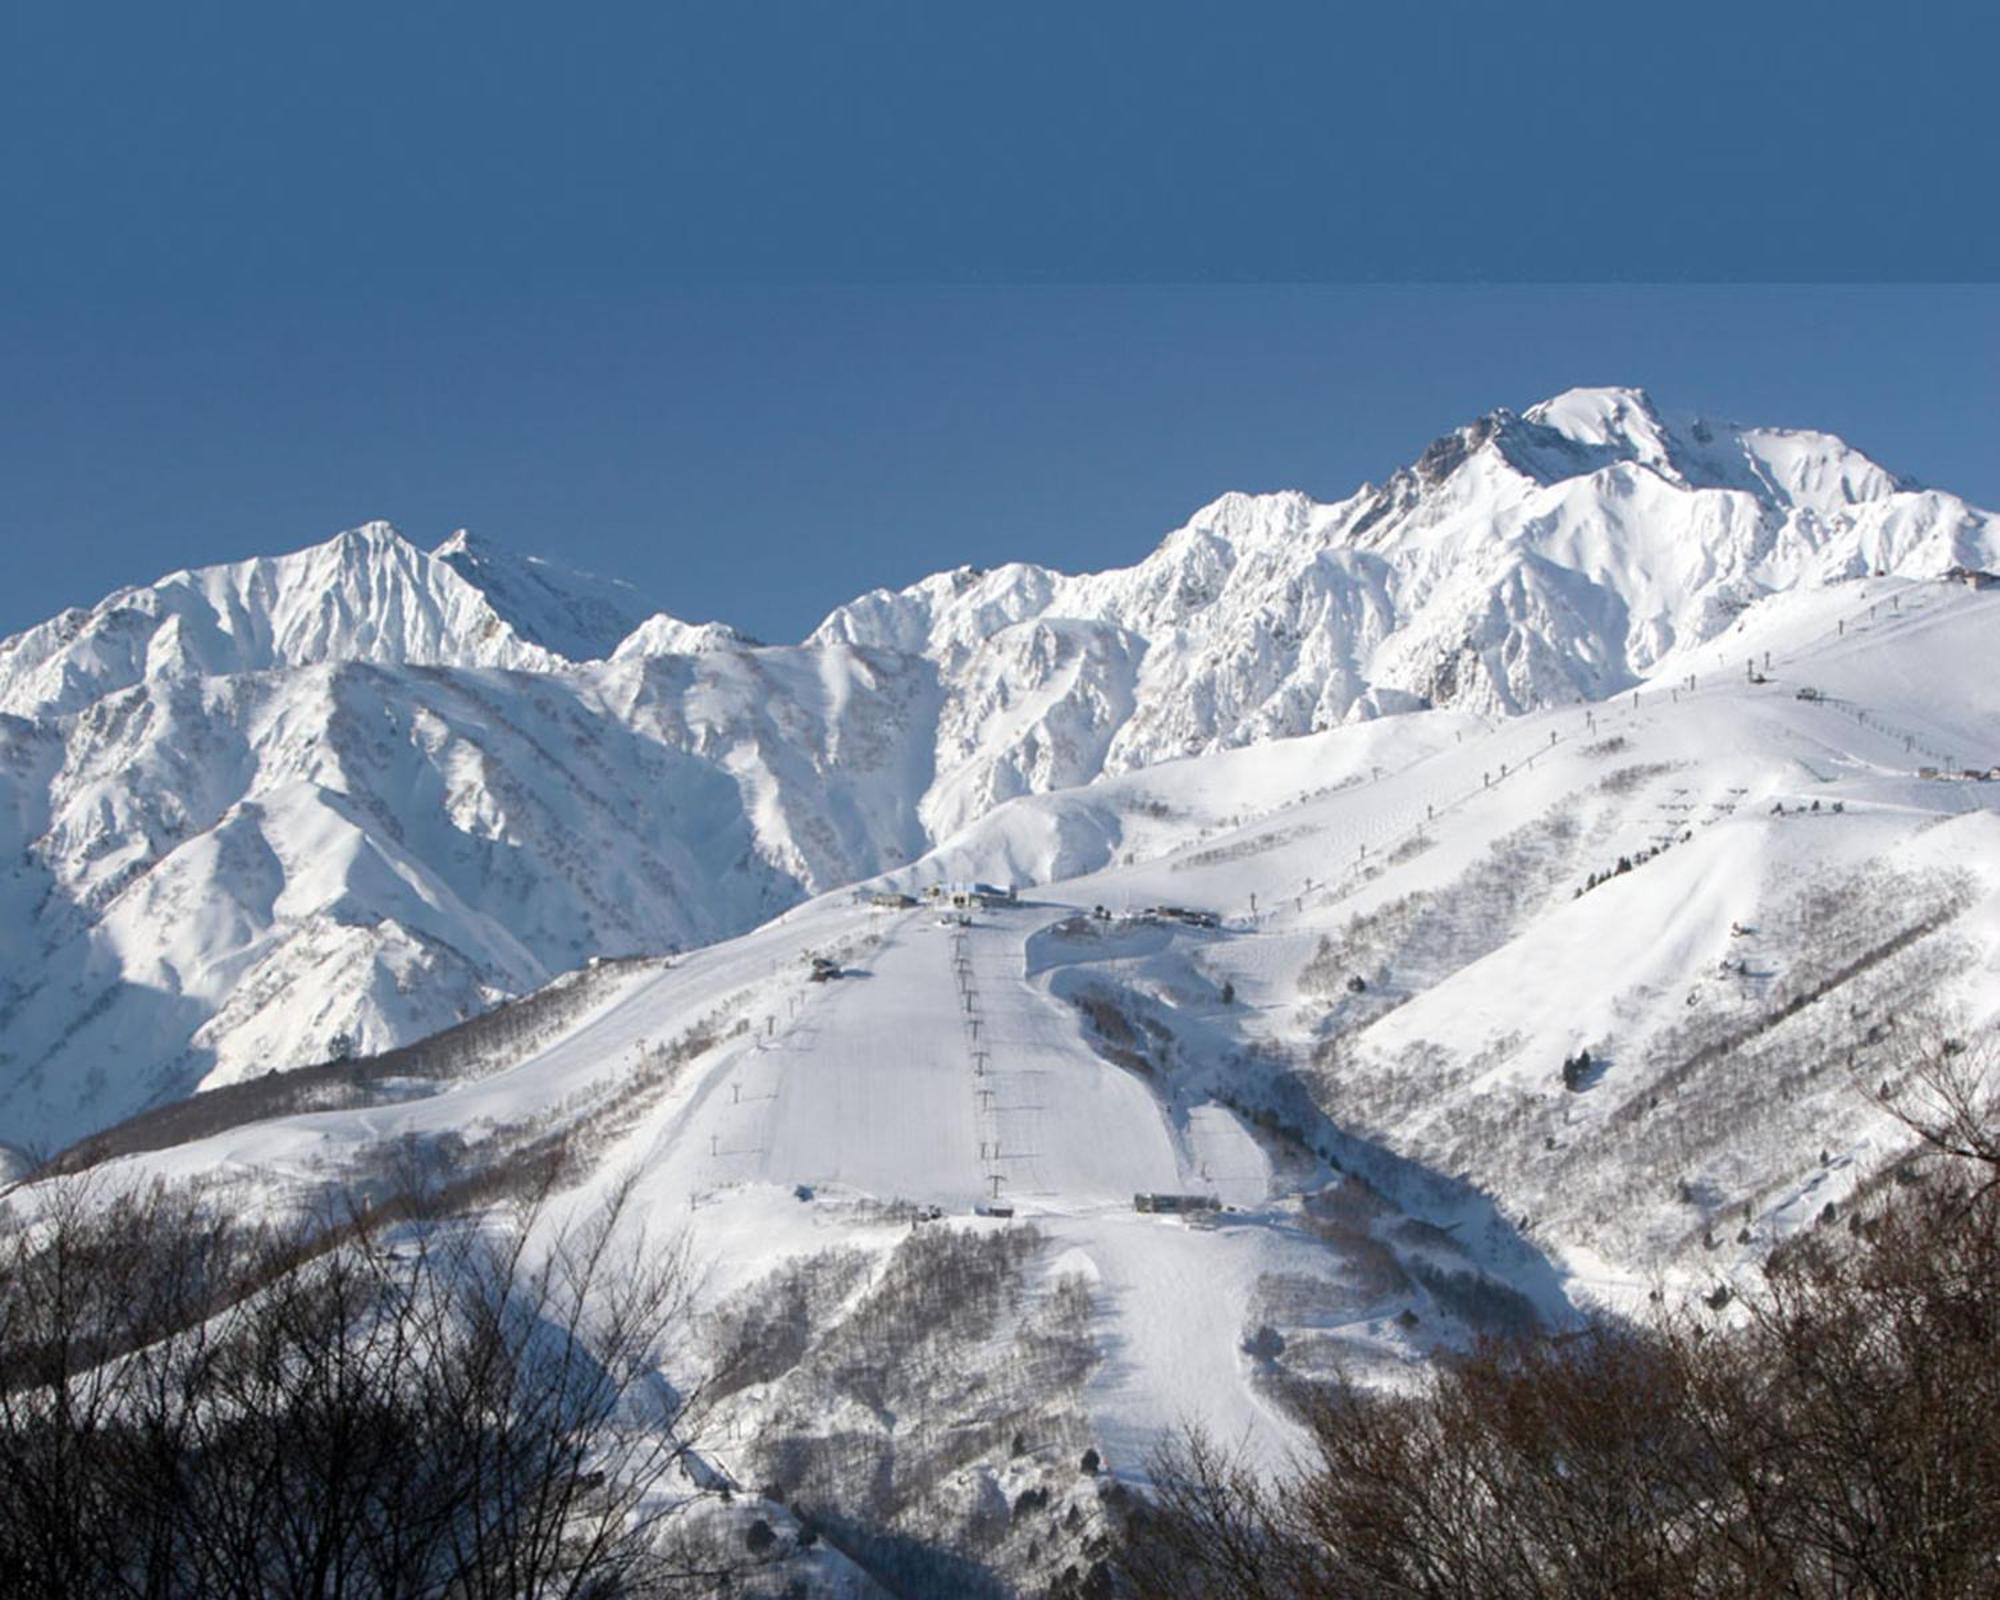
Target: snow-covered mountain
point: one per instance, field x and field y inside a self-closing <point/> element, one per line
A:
<point x="574" y="614"/>
<point x="258" y="814"/>
<point x="366" y="595"/>
<point x="1522" y="561"/>
<point x="1502" y="1019"/>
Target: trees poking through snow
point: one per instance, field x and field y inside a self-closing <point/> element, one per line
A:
<point x="886" y="1384"/>
<point x="1576" y="1071"/>
<point x="190" y="1406"/>
<point x="1740" y="1092"/>
<point x="1840" y="1437"/>
<point x="1843" y="1443"/>
<point x="470" y="1049"/>
<point x="1422" y="936"/>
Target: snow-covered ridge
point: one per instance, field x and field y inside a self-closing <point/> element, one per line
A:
<point x="1489" y="1019"/>
<point x="1559" y="555"/>
<point x="365" y="592"/>
<point x="1533" y="559"/>
<point x="575" y="614"/>
<point x="344" y="796"/>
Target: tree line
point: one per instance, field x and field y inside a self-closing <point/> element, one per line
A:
<point x="1836" y="1434"/>
<point x="377" y="1404"/>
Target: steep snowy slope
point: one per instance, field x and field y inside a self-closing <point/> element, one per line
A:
<point x="574" y="614"/>
<point x="1752" y="909"/>
<point x="238" y="873"/>
<point x="342" y="824"/>
<point x="1522" y="561"/>
<point x="256" y="814"/>
<point x="366" y="595"/>
<point x="1736" y="889"/>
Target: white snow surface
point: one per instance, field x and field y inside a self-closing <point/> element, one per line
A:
<point x="1402" y="1165"/>
<point x="256" y="815"/>
<point x="575" y="614"/>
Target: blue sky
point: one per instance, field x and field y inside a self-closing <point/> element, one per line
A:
<point x="762" y="304"/>
<point x="764" y="454"/>
<point x="218" y="148"/>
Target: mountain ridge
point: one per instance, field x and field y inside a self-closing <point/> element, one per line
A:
<point x="344" y="797"/>
<point x="1453" y="1027"/>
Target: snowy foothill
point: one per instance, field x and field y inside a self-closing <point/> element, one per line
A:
<point x="1730" y="896"/>
<point x="1052" y="1009"/>
<point x="262" y="814"/>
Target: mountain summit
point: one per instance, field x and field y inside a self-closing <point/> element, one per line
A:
<point x="260" y="813"/>
<point x="574" y="614"/>
<point x="367" y="594"/>
<point x="1563" y="554"/>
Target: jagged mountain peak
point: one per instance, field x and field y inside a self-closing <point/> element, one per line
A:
<point x="1587" y="429"/>
<point x="1603" y="414"/>
<point x="664" y="635"/>
<point x="576" y="614"/>
<point x="377" y="543"/>
<point x="368" y="593"/>
<point x="375" y="533"/>
<point x="237" y="762"/>
<point x="1550" y="555"/>
<point x="1567" y="435"/>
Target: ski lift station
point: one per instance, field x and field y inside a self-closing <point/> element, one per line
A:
<point x="1175" y="1204"/>
<point x="970" y="896"/>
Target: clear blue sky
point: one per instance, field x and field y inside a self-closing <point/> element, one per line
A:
<point x="763" y="304"/>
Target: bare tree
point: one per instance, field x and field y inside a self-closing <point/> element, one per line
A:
<point x="1949" y="1098"/>
<point x="1838" y="1436"/>
<point x="380" y="1404"/>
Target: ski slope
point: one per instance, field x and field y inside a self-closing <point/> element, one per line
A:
<point x="903" y="1081"/>
<point x="899" y="1081"/>
<point x="1401" y="1166"/>
<point x="912" y="1080"/>
<point x="335" y="800"/>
